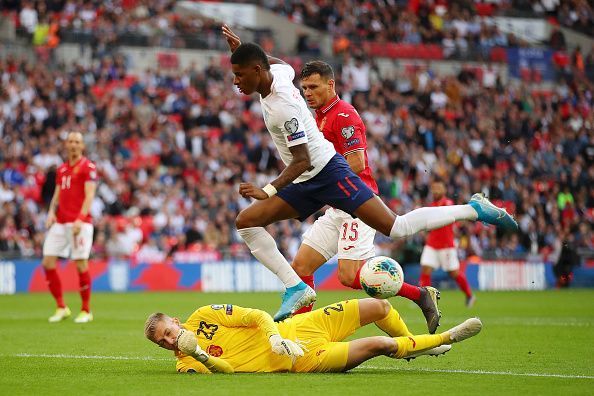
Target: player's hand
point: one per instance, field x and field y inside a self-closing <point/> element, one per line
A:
<point x="187" y="344"/>
<point x="282" y="346"/>
<point x="232" y="39"/>
<point x="50" y="220"/>
<point x="248" y="190"/>
<point x="76" y="226"/>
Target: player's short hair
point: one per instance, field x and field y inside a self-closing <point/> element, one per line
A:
<point x="248" y="53"/>
<point x="317" y="67"/>
<point x="151" y="323"/>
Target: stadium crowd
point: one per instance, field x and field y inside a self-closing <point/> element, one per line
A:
<point x="172" y="148"/>
<point x="106" y="24"/>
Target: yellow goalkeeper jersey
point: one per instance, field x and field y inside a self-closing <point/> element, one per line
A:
<point x="238" y="335"/>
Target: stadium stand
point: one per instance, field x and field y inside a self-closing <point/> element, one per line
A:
<point x="171" y="146"/>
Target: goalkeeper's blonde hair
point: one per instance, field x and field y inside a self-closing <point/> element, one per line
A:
<point x="151" y="324"/>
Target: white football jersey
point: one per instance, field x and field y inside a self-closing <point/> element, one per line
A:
<point x="290" y="122"/>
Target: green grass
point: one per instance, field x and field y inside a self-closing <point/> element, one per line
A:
<point x="532" y="343"/>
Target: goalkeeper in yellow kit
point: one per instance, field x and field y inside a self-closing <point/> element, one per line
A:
<point x="228" y="338"/>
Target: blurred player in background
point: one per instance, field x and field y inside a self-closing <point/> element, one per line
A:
<point x="315" y="176"/>
<point x="337" y="232"/>
<point x="70" y="233"/>
<point x="228" y="338"/>
<point x="440" y="250"/>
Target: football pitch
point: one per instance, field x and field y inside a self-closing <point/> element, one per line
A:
<point x="531" y="343"/>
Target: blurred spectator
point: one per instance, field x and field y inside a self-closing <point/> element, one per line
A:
<point x="567" y="261"/>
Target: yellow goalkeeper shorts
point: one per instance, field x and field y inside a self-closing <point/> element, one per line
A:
<point x="321" y="332"/>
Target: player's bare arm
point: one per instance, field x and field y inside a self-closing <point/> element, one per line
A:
<point x="90" y="188"/>
<point x="51" y="212"/>
<point x="234" y="41"/>
<point x="356" y="161"/>
<point x="301" y="162"/>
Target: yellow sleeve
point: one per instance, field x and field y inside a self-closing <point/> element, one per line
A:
<point x="187" y="364"/>
<point x="234" y="316"/>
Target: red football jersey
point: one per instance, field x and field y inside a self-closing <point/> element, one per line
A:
<point x="71" y="182"/>
<point x="441" y="238"/>
<point x="341" y="124"/>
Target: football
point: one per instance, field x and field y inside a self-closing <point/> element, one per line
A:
<point x="381" y="277"/>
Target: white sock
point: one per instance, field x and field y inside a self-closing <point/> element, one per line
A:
<point x="264" y="248"/>
<point x="426" y="219"/>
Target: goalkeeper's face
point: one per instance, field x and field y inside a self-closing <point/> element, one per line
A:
<point x="166" y="332"/>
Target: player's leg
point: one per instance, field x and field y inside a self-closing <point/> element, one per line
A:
<point x="306" y="262"/>
<point x="250" y="224"/>
<point x="387" y="319"/>
<point x="54" y="246"/>
<point x="377" y="215"/>
<point x="81" y="250"/>
<point x="448" y="260"/>
<point x="318" y="246"/>
<point x="429" y="262"/>
<point x="406" y="347"/>
<point x="348" y="193"/>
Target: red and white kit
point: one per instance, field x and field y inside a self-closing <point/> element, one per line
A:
<point x="341" y="124"/>
<point x="60" y="241"/>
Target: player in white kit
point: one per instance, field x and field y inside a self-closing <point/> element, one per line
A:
<point x="315" y="176"/>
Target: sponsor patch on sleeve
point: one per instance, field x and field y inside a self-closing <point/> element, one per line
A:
<point x="295" y="136"/>
<point x="216" y="307"/>
<point x="229" y="309"/>
<point x="351" y="142"/>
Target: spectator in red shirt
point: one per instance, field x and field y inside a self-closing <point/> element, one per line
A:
<point x="440" y="249"/>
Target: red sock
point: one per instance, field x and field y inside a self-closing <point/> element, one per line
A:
<point x="309" y="281"/>
<point x="425" y="280"/>
<point x="463" y="284"/>
<point x="410" y="292"/>
<point x="55" y="286"/>
<point x="357" y="281"/>
<point x="84" y="280"/>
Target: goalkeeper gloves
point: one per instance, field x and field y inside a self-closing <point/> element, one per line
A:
<point x="188" y="345"/>
<point x="285" y="347"/>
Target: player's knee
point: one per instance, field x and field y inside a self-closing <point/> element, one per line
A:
<point x="48" y="262"/>
<point x="383" y="308"/>
<point x="301" y="267"/>
<point x="382" y="345"/>
<point x="346" y="278"/>
<point x="378" y="309"/>
<point x="246" y="220"/>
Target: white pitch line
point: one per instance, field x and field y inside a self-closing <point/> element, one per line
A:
<point x="426" y="370"/>
<point x="482" y="372"/>
<point x="91" y="357"/>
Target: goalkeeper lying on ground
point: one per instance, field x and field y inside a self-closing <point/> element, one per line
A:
<point x="229" y="338"/>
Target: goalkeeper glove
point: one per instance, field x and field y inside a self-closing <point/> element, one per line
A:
<point x="285" y="347"/>
<point x="188" y="345"/>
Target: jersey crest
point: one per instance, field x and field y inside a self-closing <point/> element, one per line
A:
<point x="214" y="350"/>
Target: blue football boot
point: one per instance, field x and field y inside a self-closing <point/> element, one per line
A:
<point x="491" y="214"/>
<point x="294" y="299"/>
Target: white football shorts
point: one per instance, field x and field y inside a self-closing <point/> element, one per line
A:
<point x="446" y="259"/>
<point x="60" y="242"/>
<point x="337" y="232"/>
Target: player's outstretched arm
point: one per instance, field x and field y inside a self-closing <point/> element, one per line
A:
<point x="300" y="163"/>
<point x="187" y="344"/>
<point x="234" y="41"/>
<point x="278" y="344"/>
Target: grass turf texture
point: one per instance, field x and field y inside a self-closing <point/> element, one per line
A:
<point x="531" y="343"/>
